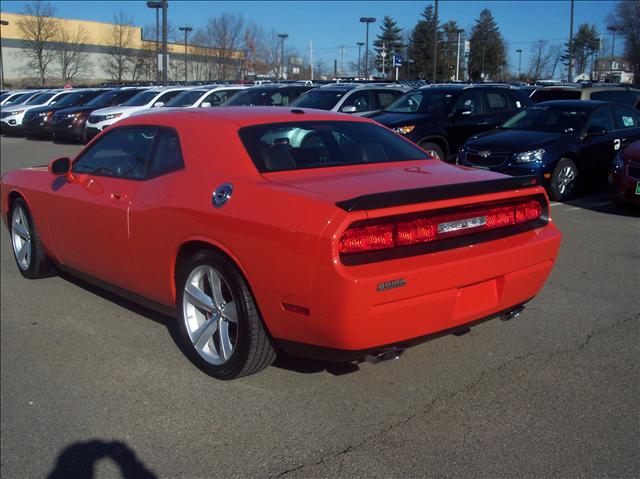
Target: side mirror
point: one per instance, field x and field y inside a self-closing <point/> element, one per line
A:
<point x="596" y="131"/>
<point x="349" y="109"/>
<point x="158" y="104"/>
<point x="205" y="104"/>
<point x="60" y="166"/>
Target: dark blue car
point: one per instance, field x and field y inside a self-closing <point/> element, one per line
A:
<point x="558" y="141"/>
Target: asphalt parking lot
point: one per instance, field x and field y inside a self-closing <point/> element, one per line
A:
<point x="90" y="382"/>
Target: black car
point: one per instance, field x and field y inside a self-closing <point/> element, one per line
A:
<point x="440" y="118"/>
<point x="70" y="122"/>
<point x="37" y="122"/>
<point x="557" y="141"/>
<point x="267" y="95"/>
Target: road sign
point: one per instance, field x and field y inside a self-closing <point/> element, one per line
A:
<point x="397" y="60"/>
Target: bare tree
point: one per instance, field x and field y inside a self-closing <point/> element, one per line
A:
<point x="119" y="40"/>
<point x="540" y="57"/>
<point x="255" y="50"/>
<point x="38" y="28"/>
<point x="555" y="54"/>
<point x="225" y="34"/>
<point x="72" y="60"/>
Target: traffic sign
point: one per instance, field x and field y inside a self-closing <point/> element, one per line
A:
<point x="397" y="60"/>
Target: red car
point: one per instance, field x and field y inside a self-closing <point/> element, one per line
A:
<point x="273" y="229"/>
<point x="624" y="177"/>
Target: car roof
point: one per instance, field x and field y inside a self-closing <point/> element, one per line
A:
<point x="588" y="104"/>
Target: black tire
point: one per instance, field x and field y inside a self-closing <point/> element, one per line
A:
<point x="252" y="351"/>
<point x="38" y="265"/>
<point x="561" y="187"/>
<point x="434" y="150"/>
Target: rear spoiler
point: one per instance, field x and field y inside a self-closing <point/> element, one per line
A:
<point x="433" y="193"/>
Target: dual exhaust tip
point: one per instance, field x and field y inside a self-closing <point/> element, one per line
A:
<point x="395" y="353"/>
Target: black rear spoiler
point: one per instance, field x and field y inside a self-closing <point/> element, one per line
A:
<point x="433" y="193"/>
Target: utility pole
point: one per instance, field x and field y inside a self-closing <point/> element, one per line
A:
<point x="383" y="54"/>
<point x="311" y="57"/>
<point x="157" y="6"/>
<point x="283" y="37"/>
<point x="342" y="59"/>
<point x="458" y="55"/>
<point x="360" y="44"/>
<point x="165" y="66"/>
<point x="367" y="21"/>
<point x="570" y="67"/>
<point x="613" y="49"/>
<point x="519" y="62"/>
<point x="3" y="23"/>
<point x="435" y="44"/>
<point x="186" y="31"/>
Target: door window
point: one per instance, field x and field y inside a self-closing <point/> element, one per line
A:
<point x="360" y="100"/>
<point x="470" y="101"/>
<point x="496" y="101"/>
<point x="122" y="153"/>
<point x="164" y="98"/>
<point x="616" y="96"/>
<point x="386" y="97"/>
<point x="601" y="119"/>
<point x="217" y="97"/>
<point x="167" y="155"/>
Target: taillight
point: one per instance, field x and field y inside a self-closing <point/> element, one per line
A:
<point x="400" y="232"/>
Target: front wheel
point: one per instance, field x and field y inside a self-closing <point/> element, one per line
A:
<point x="219" y="322"/>
<point x="434" y="150"/>
<point x="563" y="180"/>
<point x="27" y="249"/>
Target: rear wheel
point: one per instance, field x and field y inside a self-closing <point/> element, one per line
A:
<point x="27" y="249"/>
<point x="564" y="180"/>
<point x="219" y="322"/>
<point x="433" y="150"/>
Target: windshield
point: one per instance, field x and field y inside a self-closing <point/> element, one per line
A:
<point x="141" y="98"/>
<point x="259" y="97"/>
<point x="4" y="95"/>
<point x="40" y="99"/>
<point x="320" y="144"/>
<point x="423" y="101"/>
<point x="106" y="98"/>
<point x="319" y="99"/>
<point x="76" y="98"/>
<point x="186" y="98"/>
<point x="549" y="119"/>
<point x="18" y="99"/>
<point x="549" y="95"/>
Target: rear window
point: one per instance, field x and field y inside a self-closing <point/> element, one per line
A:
<point x="616" y="96"/>
<point x="302" y="145"/>
<point x="549" y="95"/>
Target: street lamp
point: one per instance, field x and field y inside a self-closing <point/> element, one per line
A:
<point x="360" y="44"/>
<point x="3" y="23"/>
<point x="283" y="37"/>
<point x="186" y="31"/>
<point x="367" y="21"/>
<point x="157" y="6"/>
<point x="459" y="32"/>
<point x="520" y="62"/>
<point x="612" y="29"/>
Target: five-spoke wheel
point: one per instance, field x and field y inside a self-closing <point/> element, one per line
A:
<point x="27" y="250"/>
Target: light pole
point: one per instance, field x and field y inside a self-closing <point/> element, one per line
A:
<point x="3" y="23"/>
<point x="519" y="62"/>
<point x="367" y="21"/>
<point x="435" y="43"/>
<point x="458" y="55"/>
<point x="570" y="66"/>
<point x="612" y="29"/>
<point x="157" y="6"/>
<point x="360" y="44"/>
<point x="283" y="37"/>
<point x="186" y="31"/>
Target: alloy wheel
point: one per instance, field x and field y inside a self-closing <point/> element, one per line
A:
<point x="566" y="178"/>
<point x="21" y="238"/>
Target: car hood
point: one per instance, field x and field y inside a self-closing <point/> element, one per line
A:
<point x="342" y="183"/>
<point x="125" y="110"/>
<point x="20" y="108"/>
<point x="400" y="119"/>
<point x="513" y="140"/>
<point x="78" y="109"/>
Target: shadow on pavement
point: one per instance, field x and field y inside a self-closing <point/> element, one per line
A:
<point x="78" y="461"/>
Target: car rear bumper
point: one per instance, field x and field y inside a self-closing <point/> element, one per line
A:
<point x="623" y="188"/>
<point x="347" y="311"/>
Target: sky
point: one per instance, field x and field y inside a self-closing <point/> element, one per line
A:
<point x="331" y="24"/>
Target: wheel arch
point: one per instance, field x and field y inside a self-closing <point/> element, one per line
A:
<point x="439" y="140"/>
<point x="11" y="199"/>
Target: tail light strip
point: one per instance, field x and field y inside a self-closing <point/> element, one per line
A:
<point x="398" y="232"/>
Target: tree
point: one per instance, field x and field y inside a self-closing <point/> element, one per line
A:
<point x="584" y="44"/>
<point x="555" y="55"/>
<point x="487" y="54"/>
<point x="448" y="50"/>
<point x="626" y="19"/>
<point x="389" y="42"/>
<point x="421" y="43"/>
<point x="38" y="29"/>
<point x="119" y="39"/>
<point x="71" y="58"/>
<point x="225" y="34"/>
<point x="540" y="57"/>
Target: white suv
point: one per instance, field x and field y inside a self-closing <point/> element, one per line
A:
<point x="151" y="98"/>
<point x="355" y="98"/>
<point x="12" y="116"/>
<point x="203" y="97"/>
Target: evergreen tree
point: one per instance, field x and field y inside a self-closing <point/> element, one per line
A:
<point x="584" y="44"/>
<point x="448" y="50"/>
<point x="389" y="40"/>
<point x="487" y="48"/>
<point x="421" y="43"/>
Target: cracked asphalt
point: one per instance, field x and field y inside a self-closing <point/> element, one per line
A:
<point x="94" y="386"/>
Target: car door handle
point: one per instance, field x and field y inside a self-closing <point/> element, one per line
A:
<point x="118" y="197"/>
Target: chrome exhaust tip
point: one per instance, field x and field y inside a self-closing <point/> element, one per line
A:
<point x="512" y="313"/>
<point x="387" y="355"/>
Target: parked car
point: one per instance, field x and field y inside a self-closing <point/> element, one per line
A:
<point x="350" y="97"/>
<point x="204" y="97"/>
<point x="70" y="122"/>
<point x="309" y="232"/>
<point x="557" y="141"/>
<point x="37" y="121"/>
<point x="441" y="118"/>
<point x="268" y="95"/>
<point x="624" y="95"/>
<point x="12" y="116"/>
<point x="624" y="177"/>
<point x="150" y="98"/>
<point x="18" y="97"/>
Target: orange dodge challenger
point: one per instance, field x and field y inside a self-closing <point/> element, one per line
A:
<point x="273" y="229"/>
